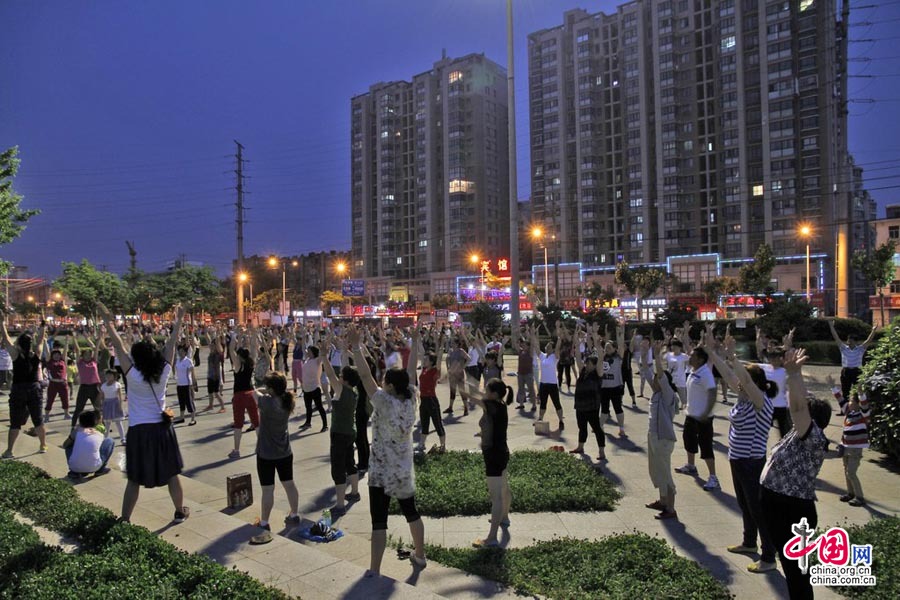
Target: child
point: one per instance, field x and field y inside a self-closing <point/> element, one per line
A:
<point x="91" y="451"/>
<point x="112" y="403"/>
<point x="854" y="440"/>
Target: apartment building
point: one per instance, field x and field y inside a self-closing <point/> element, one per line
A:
<point x="686" y="128"/>
<point x="429" y="181"/>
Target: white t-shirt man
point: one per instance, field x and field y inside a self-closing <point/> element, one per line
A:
<point x="779" y="378"/>
<point x="548" y="367"/>
<point x="851" y="358"/>
<point x="699" y="382"/>
<point x="85" y="456"/>
<point x="677" y="365"/>
<point x="183" y="368"/>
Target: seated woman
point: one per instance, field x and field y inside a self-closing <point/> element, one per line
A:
<point x="91" y="451"/>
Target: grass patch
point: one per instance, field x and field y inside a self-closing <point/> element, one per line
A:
<point x="115" y="560"/>
<point x="454" y="484"/>
<point x="622" y="566"/>
<point x="883" y="534"/>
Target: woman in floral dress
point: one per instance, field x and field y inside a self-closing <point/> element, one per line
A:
<point x="391" y="460"/>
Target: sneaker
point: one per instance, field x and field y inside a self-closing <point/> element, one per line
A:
<point x="742" y="549"/>
<point x="182" y="515"/>
<point x="687" y="470"/>
<point x="656" y="505"/>
<point x="846" y="497"/>
<point x="7" y="454"/>
<point x="711" y="484"/>
<point x="666" y="514"/>
<point x="622" y="434"/>
<point x="351" y="497"/>
<point x="234" y="454"/>
<point x="324" y="428"/>
<point x="857" y="502"/>
<point x="249" y="429"/>
<point x="293" y="521"/>
<point x="43" y="449"/>
<point x="761" y="566"/>
<point x="418" y="562"/>
<point x="448" y="411"/>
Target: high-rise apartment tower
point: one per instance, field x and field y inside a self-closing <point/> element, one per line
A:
<point x="429" y="170"/>
<point x="691" y="127"/>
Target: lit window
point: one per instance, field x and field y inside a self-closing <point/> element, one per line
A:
<point x="399" y="260"/>
<point x="455" y="76"/>
<point x="757" y="190"/>
<point x="728" y="42"/>
<point x="461" y="186"/>
<point x="384" y="134"/>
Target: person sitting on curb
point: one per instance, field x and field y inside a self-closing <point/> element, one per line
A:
<point x="91" y="450"/>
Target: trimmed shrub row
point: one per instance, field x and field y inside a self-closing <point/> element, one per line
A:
<point x="116" y="560"/>
<point x="540" y="481"/>
<point x="621" y="566"/>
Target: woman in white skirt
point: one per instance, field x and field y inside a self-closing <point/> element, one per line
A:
<point x="112" y="404"/>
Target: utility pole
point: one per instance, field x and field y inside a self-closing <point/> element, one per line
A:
<point x="514" y="315"/>
<point x="240" y="230"/>
<point x="132" y="254"/>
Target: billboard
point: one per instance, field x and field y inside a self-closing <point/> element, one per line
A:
<point x="353" y="287"/>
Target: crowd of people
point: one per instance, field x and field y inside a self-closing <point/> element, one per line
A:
<point x="362" y="374"/>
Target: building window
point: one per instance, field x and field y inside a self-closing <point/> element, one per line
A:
<point x="894" y="232"/>
<point x="757" y="190"/>
<point x="455" y="76"/>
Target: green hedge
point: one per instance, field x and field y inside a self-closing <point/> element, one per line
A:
<point x="883" y="534"/>
<point x="632" y="566"/>
<point x="454" y="484"/>
<point x="825" y="353"/>
<point x="116" y="560"/>
<point x="880" y="379"/>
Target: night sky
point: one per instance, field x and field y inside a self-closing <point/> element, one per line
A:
<point x="125" y="112"/>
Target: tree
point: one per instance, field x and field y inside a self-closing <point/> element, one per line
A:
<point x="87" y="286"/>
<point x="12" y="217"/>
<point x="755" y="277"/>
<point x="268" y="301"/>
<point x="780" y="314"/>
<point x="642" y="282"/>
<point x="443" y="301"/>
<point x="330" y="298"/>
<point x="59" y="310"/>
<point x="719" y="286"/>
<point x="878" y="267"/>
<point x="486" y="317"/>
<point x="597" y="294"/>
<point x="186" y="285"/>
<point x="27" y="309"/>
<point x="675" y="314"/>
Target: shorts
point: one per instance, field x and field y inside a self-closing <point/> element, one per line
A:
<point x="213" y="386"/>
<point x="379" y="503"/>
<point x="244" y="401"/>
<point x="659" y="459"/>
<point x="341" y="453"/>
<point x="266" y="469"/>
<point x="495" y="461"/>
<point x="25" y="401"/>
<point x="698" y="433"/>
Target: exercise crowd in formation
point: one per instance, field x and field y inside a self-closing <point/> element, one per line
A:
<point x="362" y="374"/>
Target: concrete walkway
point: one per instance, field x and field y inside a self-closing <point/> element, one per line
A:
<point x="708" y="521"/>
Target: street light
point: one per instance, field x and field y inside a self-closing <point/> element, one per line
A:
<point x="244" y="278"/>
<point x="805" y="231"/>
<point x="537" y="233"/>
<point x="273" y="262"/>
<point x="483" y="268"/>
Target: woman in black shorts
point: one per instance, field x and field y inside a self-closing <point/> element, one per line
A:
<point x="273" y="451"/>
<point x="494" y="422"/>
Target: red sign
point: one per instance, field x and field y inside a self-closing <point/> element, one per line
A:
<point x="503" y="266"/>
<point x="889" y="301"/>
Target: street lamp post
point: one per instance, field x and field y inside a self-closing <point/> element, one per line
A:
<point x="537" y="233"/>
<point x="273" y="262"/>
<point x="242" y="279"/>
<point x="806" y="232"/>
<point x="341" y="269"/>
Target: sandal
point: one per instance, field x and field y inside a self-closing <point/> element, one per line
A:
<point x="480" y="543"/>
<point x="655" y="505"/>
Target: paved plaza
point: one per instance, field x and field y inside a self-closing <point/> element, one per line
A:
<point x="708" y="521"/>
